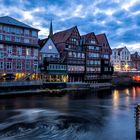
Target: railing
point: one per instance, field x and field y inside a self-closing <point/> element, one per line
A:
<point x="97" y="85"/>
<point x="20" y="83"/>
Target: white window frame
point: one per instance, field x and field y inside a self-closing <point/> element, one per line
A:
<point x="19" y="51"/>
<point x="9" y="64"/>
<point x="9" y="50"/>
<point x="19" y="65"/>
<point x="28" y="51"/>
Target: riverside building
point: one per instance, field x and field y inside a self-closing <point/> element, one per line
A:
<point x="86" y="58"/>
<point x="18" y="49"/>
<point x="121" y="59"/>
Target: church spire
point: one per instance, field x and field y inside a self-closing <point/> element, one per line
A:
<point x="51" y="29"/>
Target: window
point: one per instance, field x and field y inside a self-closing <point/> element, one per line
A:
<point x="70" y="54"/>
<point x="26" y="40"/>
<point x="0" y="27"/>
<point x="79" y="55"/>
<point x="1" y="46"/>
<point x="1" y="65"/>
<point x="17" y="39"/>
<point x="106" y="56"/>
<point x="74" y="54"/>
<point x="92" y="42"/>
<point x="9" y="65"/>
<point x="8" y="38"/>
<point x="1" y="37"/>
<point x="1" y="54"/>
<point x="17" y="30"/>
<point x="26" y="32"/>
<point x="106" y="69"/>
<point x="28" y="65"/>
<point x="94" y="55"/>
<point x="50" y="47"/>
<point x="83" y="55"/>
<point x="19" y="65"/>
<point x="9" y="50"/>
<point x="6" y="29"/>
<point x="12" y="30"/>
<point x="19" y="51"/>
<point x="35" y="52"/>
<point x="28" y="51"/>
<point x="34" y="33"/>
<point x="35" y="66"/>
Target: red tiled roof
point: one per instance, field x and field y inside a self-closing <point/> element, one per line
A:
<point x="63" y="35"/>
<point x="87" y="36"/>
<point x="101" y="38"/>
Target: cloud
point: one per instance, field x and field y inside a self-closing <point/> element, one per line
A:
<point x="120" y="20"/>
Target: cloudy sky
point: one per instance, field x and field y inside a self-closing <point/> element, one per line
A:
<point x="119" y="19"/>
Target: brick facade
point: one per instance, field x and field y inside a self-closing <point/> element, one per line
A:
<point x="18" y="48"/>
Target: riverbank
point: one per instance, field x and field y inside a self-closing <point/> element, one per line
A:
<point x="57" y="88"/>
<point x="51" y="92"/>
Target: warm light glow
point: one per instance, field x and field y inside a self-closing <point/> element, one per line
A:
<point x="19" y="75"/>
<point x="134" y="93"/>
<point x="127" y="91"/>
<point x="115" y="98"/>
<point x="126" y="67"/>
<point x="136" y="78"/>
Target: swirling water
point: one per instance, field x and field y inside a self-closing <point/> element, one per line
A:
<point x="73" y="116"/>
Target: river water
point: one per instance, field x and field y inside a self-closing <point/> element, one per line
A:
<point x="104" y="115"/>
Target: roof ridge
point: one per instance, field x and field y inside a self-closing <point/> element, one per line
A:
<point x="65" y="30"/>
<point x="12" y="21"/>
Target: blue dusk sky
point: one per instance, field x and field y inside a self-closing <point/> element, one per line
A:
<point x="119" y="19"/>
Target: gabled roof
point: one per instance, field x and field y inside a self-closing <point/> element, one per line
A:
<point x="102" y="39"/>
<point x="120" y="49"/>
<point x="11" y="21"/>
<point x="42" y="42"/>
<point x="63" y="35"/>
<point x="87" y="36"/>
<point x="135" y="56"/>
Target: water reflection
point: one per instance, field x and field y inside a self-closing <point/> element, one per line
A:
<point x="75" y="116"/>
<point x="115" y="99"/>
